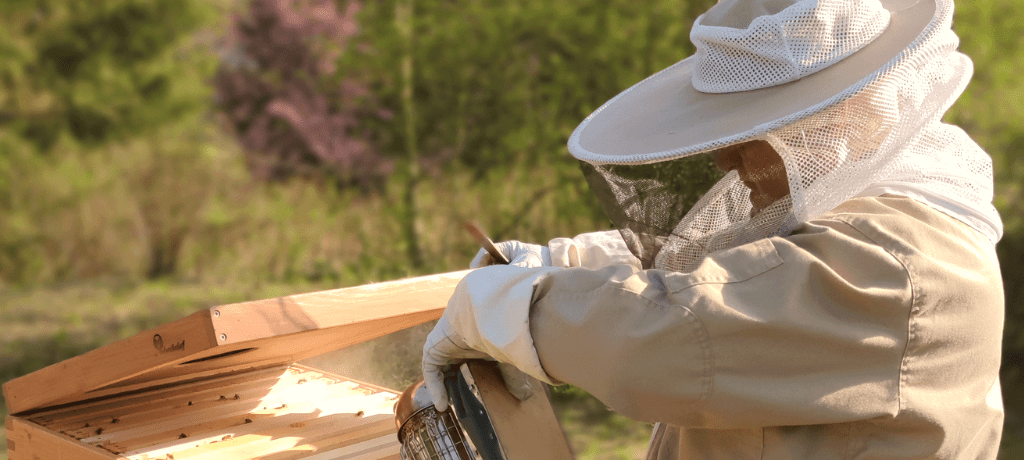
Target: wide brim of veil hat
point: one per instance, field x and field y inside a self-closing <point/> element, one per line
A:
<point x="664" y="117"/>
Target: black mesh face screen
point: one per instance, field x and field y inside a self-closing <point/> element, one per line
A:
<point x="646" y="202"/>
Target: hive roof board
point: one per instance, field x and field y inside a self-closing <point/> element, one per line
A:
<point x="235" y="338"/>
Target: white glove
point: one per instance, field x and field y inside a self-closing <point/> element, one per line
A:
<point x="518" y="253"/>
<point x="591" y="250"/>
<point x="488" y="317"/>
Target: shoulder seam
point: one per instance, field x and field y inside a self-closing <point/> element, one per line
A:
<point x="911" y="314"/>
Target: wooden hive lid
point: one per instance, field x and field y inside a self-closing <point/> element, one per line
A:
<point x="236" y="338"/>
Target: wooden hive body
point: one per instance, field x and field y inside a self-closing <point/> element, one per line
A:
<point x="223" y="383"/>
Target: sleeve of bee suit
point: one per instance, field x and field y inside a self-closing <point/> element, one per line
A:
<point x="826" y="325"/>
<point x="591" y="250"/>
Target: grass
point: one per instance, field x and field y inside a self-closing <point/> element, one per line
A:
<point x="594" y="431"/>
<point x="136" y="214"/>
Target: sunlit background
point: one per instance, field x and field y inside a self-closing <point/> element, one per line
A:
<point x="162" y="156"/>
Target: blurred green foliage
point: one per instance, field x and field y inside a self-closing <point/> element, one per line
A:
<point x="102" y="117"/>
<point x="500" y="82"/>
<point x="114" y="169"/>
<point x="102" y="70"/>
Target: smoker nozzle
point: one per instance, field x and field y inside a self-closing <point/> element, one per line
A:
<point x="414" y="399"/>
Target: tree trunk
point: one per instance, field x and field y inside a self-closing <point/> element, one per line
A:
<point x="405" y="25"/>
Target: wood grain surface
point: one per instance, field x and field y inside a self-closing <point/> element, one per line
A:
<point x="236" y="338"/>
<point x="281" y="413"/>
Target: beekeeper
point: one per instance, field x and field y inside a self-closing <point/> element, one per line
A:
<point x="833" y="294"/>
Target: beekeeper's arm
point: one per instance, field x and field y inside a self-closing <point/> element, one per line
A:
<point x="808" y="329"/>
<point x="799" y="330"/>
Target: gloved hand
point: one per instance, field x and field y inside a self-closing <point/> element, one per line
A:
<point x="591" y="250"/>
<point x="518" y="253"/>
<point x="488" y="317"/>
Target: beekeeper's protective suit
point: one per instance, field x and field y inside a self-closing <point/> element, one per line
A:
<point x="834" y="294"/>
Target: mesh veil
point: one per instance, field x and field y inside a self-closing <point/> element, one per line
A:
<point x="884" y="136"/>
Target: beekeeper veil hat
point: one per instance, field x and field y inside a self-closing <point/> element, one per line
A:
<point x="849" y="93"/>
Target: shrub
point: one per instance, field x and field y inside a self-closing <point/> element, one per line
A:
<point x="279" y="90"/>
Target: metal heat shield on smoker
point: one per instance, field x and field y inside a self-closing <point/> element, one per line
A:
<point x="505" y="427"/>
<point x="469" y="408"/>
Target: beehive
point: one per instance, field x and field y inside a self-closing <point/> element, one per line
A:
<point x="223" y="383"/>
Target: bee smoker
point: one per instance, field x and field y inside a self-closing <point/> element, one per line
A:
<point x="483" y="421"/>
<point x="463" y="432"/>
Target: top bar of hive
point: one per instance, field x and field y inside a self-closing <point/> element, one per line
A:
<point x="279" y="413"/>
